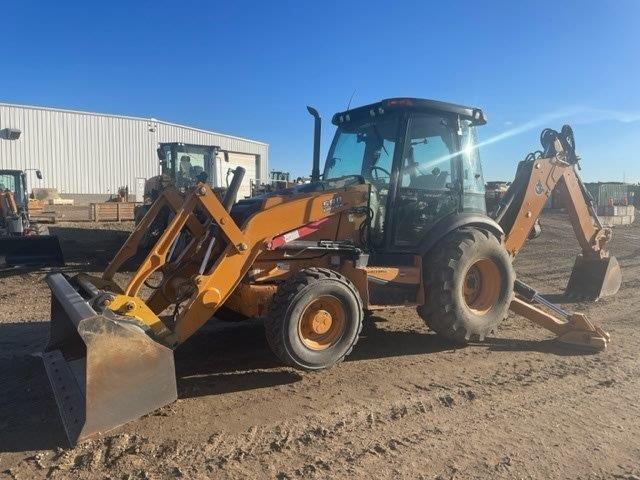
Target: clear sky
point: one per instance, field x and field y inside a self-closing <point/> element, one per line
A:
<point x="249" y="68"/>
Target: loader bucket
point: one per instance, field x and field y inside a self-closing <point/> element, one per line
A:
<point x="31" y="251"/>
<point x="593" y="278"/>
<point x="103" y="372"/>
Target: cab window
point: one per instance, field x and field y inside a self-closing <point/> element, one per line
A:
<point x="366" y="149"/>
<point x="429" y="177"/>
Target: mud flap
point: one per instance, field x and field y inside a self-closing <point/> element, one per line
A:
<point x="103" y="372"/>
<point x="593" y="278"/>
<point x="31" y="251"/>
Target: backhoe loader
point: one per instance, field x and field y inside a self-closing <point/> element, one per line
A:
<point x="397" y="219"/>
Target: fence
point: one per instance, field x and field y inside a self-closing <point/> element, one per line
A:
<point x="609" y="193"/>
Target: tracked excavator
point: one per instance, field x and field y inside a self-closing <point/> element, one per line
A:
<point x="397" y="219"/>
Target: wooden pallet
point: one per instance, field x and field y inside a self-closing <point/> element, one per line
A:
<point x="112" y="211"/>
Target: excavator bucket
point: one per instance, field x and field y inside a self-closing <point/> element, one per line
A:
<point x="103" y="372"/>
<point x="31" y="251"/>
<point x="593" y="278"/>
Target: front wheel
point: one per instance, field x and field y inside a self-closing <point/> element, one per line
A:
<point x="314" y="319"/>
<point x="469" y="285"/>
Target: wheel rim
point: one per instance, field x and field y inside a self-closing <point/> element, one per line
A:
<point x="322" y="323"/>
<point x="482" y="286"/>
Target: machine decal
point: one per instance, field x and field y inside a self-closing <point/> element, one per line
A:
<point x="539" y="188"/>
<point x="330" y="205"/>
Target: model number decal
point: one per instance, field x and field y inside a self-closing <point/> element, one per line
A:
<point x="329" y="205"/>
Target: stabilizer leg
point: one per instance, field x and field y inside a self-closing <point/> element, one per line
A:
<point x="571" y="328"/>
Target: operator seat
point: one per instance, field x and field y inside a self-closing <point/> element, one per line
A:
<point x="432" y="181"/>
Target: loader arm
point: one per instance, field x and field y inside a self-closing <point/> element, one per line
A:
<point x="8" y="206"/>
<point x="171" y="198"/>
<point x="243" y="244"/>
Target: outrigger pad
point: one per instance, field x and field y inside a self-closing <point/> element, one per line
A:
<point x="593" y="278"/>
<point x="103" y="372"/>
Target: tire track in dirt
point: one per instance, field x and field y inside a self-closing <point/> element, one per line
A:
<point x="518" y="402"/>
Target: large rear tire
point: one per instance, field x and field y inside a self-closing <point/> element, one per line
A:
<point x="314" y="319"/>
<point x="469" y="285"/>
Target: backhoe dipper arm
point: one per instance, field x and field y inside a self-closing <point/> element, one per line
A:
<point x="595" y="273"/>
<point x="536" y="179"/>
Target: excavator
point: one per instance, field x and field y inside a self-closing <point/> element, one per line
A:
<point x="396" y="219"/>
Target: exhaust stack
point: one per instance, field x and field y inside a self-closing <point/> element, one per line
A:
<point x="317" y="127"/>
<point x="233" y="188"/>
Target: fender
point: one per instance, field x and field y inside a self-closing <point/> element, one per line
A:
<point x="455" y="221"/>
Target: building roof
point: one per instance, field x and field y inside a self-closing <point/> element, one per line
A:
<point x="128" y="117"/>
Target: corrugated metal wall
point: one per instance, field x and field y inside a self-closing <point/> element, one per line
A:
<point x="87" y="153"/>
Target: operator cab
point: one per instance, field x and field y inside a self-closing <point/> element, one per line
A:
<point x="187" y="164"/>
<point x="420" y="159"/>
<point x="15" y="182"/>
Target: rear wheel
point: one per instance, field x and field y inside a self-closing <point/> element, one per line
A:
<point x="469" y="285"/>
<point x="314" y="319"/>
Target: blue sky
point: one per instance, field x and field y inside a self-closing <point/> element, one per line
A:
<point x="249" y="68"/>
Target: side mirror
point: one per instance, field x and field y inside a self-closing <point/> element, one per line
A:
<point x="39" y="174"/>
<point x="161" y="155"/>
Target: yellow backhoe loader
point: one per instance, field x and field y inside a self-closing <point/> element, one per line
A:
<point x="397" y="219"/>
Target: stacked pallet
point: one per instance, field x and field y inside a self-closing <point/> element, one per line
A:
<point x="112" y="211"/>
<point x="614" y="215"/>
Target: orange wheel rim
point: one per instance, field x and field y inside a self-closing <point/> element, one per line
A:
<point x="481" y="287"/>
<point x="322" y="323"/>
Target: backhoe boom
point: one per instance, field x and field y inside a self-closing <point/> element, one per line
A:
<point x="595" y="273"/>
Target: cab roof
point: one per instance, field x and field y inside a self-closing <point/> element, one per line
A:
<point x="476" y="115"/>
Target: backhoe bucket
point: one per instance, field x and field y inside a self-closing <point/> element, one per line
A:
<point x="593" y="278"/>
<point x="31" y="251"/>
<point x="103" y="372"/>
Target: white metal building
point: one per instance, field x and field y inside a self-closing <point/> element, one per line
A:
<point x="91" y="155"/>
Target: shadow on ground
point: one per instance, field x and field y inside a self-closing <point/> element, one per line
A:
<point x="550" y="346"/>
<point x="223" y="357"/>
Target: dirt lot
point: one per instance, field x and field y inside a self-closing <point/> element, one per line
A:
<point x="404" y="405"/>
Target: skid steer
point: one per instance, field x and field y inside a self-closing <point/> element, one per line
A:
<point x="397" y="219"/>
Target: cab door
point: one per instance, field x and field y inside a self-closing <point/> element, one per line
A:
<point x="427" y="184"/>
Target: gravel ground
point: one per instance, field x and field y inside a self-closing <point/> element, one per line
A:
<point x="404" y="405"/>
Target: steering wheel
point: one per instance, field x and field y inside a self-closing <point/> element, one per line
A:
<point x="376" y="176"/>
